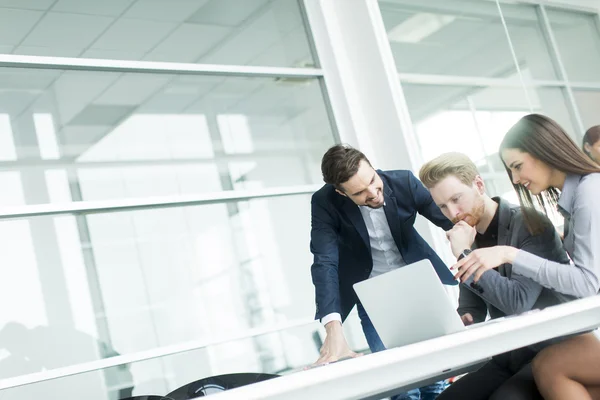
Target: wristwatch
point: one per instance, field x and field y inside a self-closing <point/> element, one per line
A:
<point x="464" y="253"/>
<point x="474" y="285"/>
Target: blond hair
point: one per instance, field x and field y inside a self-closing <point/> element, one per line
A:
<point x="455" y="164"/>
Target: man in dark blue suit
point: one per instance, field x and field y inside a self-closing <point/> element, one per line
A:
<point x="363" y="226"/>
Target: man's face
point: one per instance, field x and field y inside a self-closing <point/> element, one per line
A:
<point x="460" y="202"/>
<point x="365" y="188"/>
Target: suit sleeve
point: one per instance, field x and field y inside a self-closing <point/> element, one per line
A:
<point x="425" y="205"/>
<point x="582" y="277"/>
<point x="324" y="270"/>
<point x="518" y="293"/>
<point x="510" y="295"/>
<point x="469" y="302"/>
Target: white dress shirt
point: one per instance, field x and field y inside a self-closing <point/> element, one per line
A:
<point x="385" y="253"/>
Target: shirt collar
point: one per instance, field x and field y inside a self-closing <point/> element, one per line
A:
<point x="567" y="195"/>
<point x="367" y="208"/>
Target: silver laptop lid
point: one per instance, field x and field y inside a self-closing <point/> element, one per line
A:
<point x="408" y="305"/>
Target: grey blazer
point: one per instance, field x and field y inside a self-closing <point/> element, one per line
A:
<point x="504" y="292"/>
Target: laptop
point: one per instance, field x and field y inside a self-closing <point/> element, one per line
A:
<point x="409" y="305"/>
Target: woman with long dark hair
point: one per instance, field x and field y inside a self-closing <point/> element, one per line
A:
<point x="541" y="160"/>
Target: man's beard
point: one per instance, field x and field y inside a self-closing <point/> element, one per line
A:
<point x="472" y="218"/>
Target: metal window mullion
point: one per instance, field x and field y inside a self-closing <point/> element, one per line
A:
<point x="453" y="80"/>
<point x="309" y="34"/>
<point x="555" y="53"/>
<point x="153" y="67"/>
<point x="108" y="206"/>
<point x="562" y="6"/>
<point x="585" y="85"/>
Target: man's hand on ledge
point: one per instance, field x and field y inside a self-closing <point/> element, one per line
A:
<point x="467" y="319"/>
<point x="335" y="346"/>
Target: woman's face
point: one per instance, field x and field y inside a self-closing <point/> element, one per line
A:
<point x="593" y="150"/>
<point x="533" y="174"/>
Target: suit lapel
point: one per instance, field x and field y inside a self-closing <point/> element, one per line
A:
<point x="355" y="216"/>
<point x="503" y="232"/>
<point x="390" y="208"/>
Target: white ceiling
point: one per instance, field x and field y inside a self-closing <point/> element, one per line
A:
<point x="215" y="31"/>
<point x="474" y="43"/>
<point x="87" y="105"/>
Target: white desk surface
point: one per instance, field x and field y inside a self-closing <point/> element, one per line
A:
<point x="377" y="375"/>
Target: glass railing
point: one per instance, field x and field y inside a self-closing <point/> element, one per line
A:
<point x="176" y="371"/>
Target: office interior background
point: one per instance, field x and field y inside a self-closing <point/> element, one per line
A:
<point x="157" y="159"/>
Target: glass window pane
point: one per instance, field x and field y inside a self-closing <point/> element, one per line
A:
<point x="139" y="280"/>
<point x="529" y="41"/>
<point x="553" y="103"/>
<point x="135" y="135"/>
<point x="465" y="38"/>
<point x="588" y="103"/>
<point x="474" y="120"/>
<point x="249" y="32"/>
<point x="501" y="187"/>
<point x="289" y="349"/>
<point x="578" y="40"/>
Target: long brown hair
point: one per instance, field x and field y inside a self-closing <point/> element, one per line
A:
<point x="545" y="140"/>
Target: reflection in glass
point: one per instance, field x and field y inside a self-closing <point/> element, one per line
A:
<point x="137" y="135"/>
<point x="588" y="103"/>
<point x="8" y="151"/>
<point x="251" y="32"/>
<point x="578" y="40"/>
<point x="473" y="120"/>
<point x="36" y="349"/>
<point x="465" y="119"/>
<point x="180" y="376"/>
<point x="150" y="278"/>
<point x="465" y="38"/>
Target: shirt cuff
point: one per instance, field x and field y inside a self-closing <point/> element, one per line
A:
<point x="527" y="264"/>
<point x="331" y="317"/>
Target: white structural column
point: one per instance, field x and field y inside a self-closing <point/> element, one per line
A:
<point x="363" y="86"/>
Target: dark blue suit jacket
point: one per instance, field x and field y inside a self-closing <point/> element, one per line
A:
<point x="340" y="240"/>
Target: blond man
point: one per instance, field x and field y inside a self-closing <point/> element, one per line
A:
<point x="481" y="222"/>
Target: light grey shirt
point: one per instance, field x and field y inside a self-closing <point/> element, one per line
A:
<point x="385" y="253"/>
<point x="579" y="203"/>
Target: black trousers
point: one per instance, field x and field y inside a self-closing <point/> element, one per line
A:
<point x="506" y="376"/>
